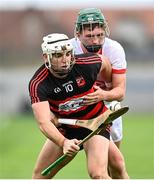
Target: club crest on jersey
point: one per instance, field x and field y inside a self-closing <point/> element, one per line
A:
<point x="80" y="81"/>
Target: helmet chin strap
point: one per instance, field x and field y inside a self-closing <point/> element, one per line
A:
<point x="48" y="64"/>
<point x="93" y="48"/>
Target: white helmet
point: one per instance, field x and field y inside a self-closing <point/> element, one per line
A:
<point x="53" y="44"/>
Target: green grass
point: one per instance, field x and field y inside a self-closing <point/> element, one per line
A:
<point x="21" y="141"/>
<point x="138" y="145"/>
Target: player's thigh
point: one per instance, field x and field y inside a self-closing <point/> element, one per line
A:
<point x="49" y="153"/>
<point x="96" y="150"/>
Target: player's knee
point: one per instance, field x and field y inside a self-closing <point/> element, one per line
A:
<point x="99" y="175"/>
<point x="118" y="169"/>
<point x="119" y="164"/>
<point x="117" y="161"/>
<point x="103" y="176"/>
<point x="37" y="175"/>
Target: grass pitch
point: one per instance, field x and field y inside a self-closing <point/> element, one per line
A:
<point x="21" y="141"/>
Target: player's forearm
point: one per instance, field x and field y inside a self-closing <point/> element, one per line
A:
<point x="51" y="132"/>
<point x="114" y="94"/>
<point x="47" y="121"/>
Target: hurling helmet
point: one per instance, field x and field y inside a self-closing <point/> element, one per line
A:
<point x="91" y="16"/>
<point x="53" y="44"/>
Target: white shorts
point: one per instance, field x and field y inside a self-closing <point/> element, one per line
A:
<point x="116" y="128"/>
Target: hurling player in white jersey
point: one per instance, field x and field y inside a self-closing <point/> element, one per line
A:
<point x="91" y="35"/>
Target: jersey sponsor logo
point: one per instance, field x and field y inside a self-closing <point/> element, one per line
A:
<point x="80" y="81"/>
<point x="71" y="105"/>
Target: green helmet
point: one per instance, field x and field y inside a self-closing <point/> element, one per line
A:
<point x="91" y="16"/>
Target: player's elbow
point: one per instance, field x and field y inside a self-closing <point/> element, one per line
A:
<point x="43" y="126"/>
<point x="121" y="96"/>
<point x="120" y="99"/>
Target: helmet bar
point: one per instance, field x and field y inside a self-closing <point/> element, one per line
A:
<point x="57" y="41"/>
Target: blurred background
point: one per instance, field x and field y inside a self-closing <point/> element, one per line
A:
<point x="22" y="27"/>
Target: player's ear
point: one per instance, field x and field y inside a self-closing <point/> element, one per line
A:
<point x="45" y="57"/>
<point x="77" y="34"/>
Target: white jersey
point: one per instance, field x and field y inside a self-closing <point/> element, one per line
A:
<point x="115" y="52"/>
<point x="111" y="49"/>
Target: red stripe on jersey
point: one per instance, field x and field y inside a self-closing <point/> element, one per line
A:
<point x="39" y="81"/>
<point x="34" y="84"/>
<point x="104" y="109"/>
<point x="118" y="71"/>
<point x="89" y="115"/>
<point x="31" y="84"/>
<point x="91" y="58"/>
<point x="88" y="60"/>
<point x="95" y="110"/>
<point x="92" y="62"/>
<point x="56" y="102"/>
<point x="87" y="57"/>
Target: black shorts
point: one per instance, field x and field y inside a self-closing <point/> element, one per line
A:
<point x="80" y="132"/>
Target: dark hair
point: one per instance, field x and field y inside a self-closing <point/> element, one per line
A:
<point x="92" y="26"/>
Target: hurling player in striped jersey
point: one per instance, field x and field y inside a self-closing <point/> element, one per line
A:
<point x="91" y="35"/>
<point x="57" y="90"/>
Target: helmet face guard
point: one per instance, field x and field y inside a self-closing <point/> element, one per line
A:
<point x="91" y="17"/>
<point x="93" y="48"/>
<point x="58" y="48"/>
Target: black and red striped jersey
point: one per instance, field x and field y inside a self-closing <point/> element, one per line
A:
<point x="65" y="95"/>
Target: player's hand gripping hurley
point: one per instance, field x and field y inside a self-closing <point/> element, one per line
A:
<point x="96" y="125"/>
